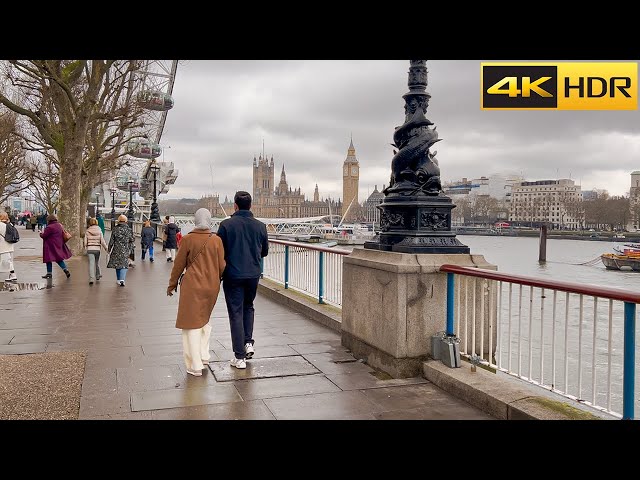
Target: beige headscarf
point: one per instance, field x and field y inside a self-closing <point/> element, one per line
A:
<point x="202" y="219"/>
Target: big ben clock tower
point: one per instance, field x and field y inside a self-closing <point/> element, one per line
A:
<point x="350" y="178"/>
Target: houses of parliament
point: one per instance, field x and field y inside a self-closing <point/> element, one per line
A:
<point x="271" y="200"/>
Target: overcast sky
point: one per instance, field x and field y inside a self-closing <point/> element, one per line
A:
<point x="305" y="111"/>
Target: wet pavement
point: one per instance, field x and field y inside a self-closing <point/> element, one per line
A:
<point x="134" y="367"/>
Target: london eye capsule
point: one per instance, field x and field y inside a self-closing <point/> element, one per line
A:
<point x="143" y="149"/>
<point x="158" y="101"/>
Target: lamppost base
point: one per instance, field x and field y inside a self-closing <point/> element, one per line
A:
<point x="416" y="224"/>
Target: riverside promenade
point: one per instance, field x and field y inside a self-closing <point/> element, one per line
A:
<point x="132" y="366"/>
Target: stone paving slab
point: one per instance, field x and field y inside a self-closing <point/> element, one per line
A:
<point x="252" y="410"/>
<point x="159" y="399"/>
<point x="140" y="379"/>
<point x="263" y="367"/>
<point x="5" y="338"/>
<point x="363" y="381"/>
<point x="104" y="404"/>
<point x="323" y="406"/>
<point x="319" y="347"/>
<point x="284" y="386"/>
<point x="23" y="348"/>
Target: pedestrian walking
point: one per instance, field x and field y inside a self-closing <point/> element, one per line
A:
<point x="120" y="245"/>
<point x="42" y="221"/>
<point x="100" y="219"/>
<point x="54" y="247"/>
<point x="93" y="243"/>
<point x="147" y="237"/>
<point x="33" y="221"/>
<point x="171" y="243"/>
<point x="201" y="258"/>
<point x="245" y="243"/>
<point x="165" y="222"/>
<point x="6" y="248"/>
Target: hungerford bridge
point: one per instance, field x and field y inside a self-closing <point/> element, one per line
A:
<point x="303" y="226"/>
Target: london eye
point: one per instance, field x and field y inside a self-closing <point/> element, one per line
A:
<point x="144" y="170"/>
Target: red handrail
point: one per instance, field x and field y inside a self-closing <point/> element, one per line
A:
<point x="311" y="247"/>
<point x="595" y="291"/>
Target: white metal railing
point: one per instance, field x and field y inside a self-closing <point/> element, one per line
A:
<point x="311" y="269"/>
<point x="573" y="339"/>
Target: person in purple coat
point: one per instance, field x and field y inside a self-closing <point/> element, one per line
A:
<point x="54" y="249"/>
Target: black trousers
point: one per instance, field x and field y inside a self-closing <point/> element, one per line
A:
<point x="239" y="295"/>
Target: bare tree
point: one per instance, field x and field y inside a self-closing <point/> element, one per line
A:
<point x="80" y="109"/>
<point x="44" y="180"/>
<point x="13" y="174"/>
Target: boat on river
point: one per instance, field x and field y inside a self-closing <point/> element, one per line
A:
<point x="629" y="261"/>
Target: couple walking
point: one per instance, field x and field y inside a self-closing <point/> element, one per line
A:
<point x="232" y="257"/>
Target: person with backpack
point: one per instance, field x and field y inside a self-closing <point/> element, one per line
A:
<point x="8" y="237"/>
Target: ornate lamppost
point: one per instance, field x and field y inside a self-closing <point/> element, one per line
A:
<point x="113" y="191"/>
<point x="155" y="212"/>
<point x="130" y="215"/>
<point x="415" y="215"/>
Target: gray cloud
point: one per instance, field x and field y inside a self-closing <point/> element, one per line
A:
<point x="306" y="111"/>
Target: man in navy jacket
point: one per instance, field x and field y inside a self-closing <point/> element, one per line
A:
<point x="245" y="242"/>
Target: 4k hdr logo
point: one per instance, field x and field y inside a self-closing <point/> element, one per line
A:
<point x="559" y="86"/>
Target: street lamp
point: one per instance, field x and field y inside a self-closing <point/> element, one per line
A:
<point x="97" y="200"/>
<point x="155" y="213"/>
<point x="130" y="215"/>
<point x="113" y="191"/>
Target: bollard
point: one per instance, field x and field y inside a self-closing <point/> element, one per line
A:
<point x="628" y="379"/>
<point x="542" y="255"/>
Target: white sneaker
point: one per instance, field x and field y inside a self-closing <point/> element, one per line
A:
<point x="195" y="373"/>
<point x="239" y="363"/>
<point x="12" y="278"/>
<point x="249" y="350"/>
<point x="121" y="283"/>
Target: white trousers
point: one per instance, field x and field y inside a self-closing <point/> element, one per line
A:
<point x="3" y="258"/>
<point x="195" y="342"/>
<point x="171" y="253"/>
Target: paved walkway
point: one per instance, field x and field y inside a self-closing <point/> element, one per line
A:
<point x="135" y="370"/>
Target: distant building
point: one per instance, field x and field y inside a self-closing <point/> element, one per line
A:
<point x="589" y="195"/>
<point x="556" y="202"/>
<point x="370" y="212"/>
<point x="634" y="201"/>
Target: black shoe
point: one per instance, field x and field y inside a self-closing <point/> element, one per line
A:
<point x="151" y="259"/>
<point x="48" y="275"/>
<point x="90" y="283"/>
<point x="67" y="273"/>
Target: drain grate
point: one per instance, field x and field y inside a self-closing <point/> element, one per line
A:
<point x="16" y="286"/>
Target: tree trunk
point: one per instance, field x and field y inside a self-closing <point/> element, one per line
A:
<point x="69" y="207"/>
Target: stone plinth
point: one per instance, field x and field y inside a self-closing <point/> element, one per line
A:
<point x="392" y="303"/>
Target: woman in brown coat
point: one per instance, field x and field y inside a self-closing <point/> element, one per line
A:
<point x="202" y="254"/>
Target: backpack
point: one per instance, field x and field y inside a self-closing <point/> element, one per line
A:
<point x="11" y="234"/>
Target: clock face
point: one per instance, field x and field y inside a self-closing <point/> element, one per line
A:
<point x="354" y="170"/>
